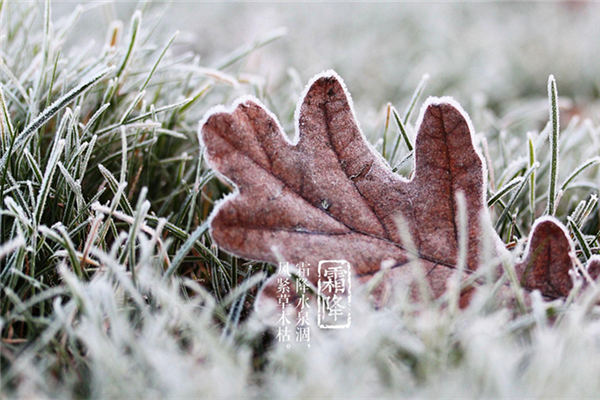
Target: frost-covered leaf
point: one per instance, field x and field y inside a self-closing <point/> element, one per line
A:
<point x="593" y="267"/>
<point x="329" y="195"/>
<point x="548" y="259"/>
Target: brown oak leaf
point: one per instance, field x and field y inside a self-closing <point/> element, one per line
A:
<point x="330" y="195"/>
<point x="549" y="260"/>
<point x="593" y="267"/>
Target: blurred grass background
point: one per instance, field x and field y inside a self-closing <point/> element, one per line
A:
<point x="498" y="50"/>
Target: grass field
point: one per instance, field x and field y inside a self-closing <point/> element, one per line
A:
<point x="110" y="285"/>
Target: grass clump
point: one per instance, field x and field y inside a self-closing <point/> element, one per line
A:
<point x="111" y="287"/>
<point x="100" y="166"/>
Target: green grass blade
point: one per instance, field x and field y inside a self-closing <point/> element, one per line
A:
<point x="134" y="29"/>
<point x="532" y="161"/>
<point x="587" y="253"/>
<point x="415" y="97"/>
<point x="46" y="183"/>
<point x="554" y="118"/>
